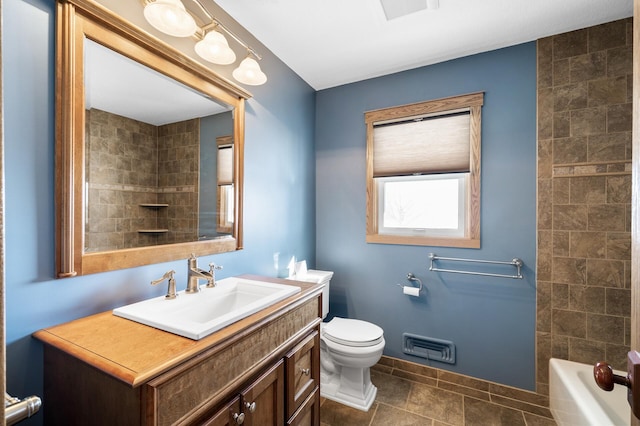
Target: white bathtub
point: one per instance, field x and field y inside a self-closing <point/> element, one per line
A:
<point x="576" y="399"/>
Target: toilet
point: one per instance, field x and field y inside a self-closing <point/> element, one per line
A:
<point x="348" y="348"/>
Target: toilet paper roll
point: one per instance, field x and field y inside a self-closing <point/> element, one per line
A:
<point x="411" y="291"/>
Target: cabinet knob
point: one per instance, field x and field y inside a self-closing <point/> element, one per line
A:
<point x="251" y="406"/>
<point x="238" y="418"/>
<point x="305" y="371"/>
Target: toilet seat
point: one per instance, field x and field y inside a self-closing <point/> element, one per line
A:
<point x="352" y="332"/>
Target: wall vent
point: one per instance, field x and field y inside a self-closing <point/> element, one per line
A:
<point x="429" y="347"/>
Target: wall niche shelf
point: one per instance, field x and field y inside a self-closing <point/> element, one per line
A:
<point x="154" y="205"/>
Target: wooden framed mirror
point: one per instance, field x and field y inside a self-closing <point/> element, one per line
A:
<point x="105" y="215"/>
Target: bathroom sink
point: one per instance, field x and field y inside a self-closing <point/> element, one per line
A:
<point x="196" y="315"/>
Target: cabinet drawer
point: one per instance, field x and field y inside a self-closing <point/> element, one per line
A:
<point x="309" y="413"/>
<point x="303" y="371"/>
<point x="229" y="415"/>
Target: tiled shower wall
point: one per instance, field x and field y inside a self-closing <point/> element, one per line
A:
<point x="584" y="196"/>
<point x="130" y="163"/>
<point x="178" y="177"/>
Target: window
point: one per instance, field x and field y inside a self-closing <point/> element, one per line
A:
<point x="405" y="205"/>
<point x="225" y="199"/>
<point x="423" y="173"/>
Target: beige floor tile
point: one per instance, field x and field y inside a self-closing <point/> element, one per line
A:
<point x="387" y="416"/>
<point x="435" y="403"/>
<point x="335" y="414"/>
<point x="402" y="402"/>
<point x="392" y="390"/>
<point x="484" y="413"/>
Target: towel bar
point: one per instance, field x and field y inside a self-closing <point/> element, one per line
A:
<point x="518" y="263"/>
<point x="16" y="410"/>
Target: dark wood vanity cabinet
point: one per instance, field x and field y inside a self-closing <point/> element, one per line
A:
<point x="263" y="370"/>
<point x="309" y="412"/>
<point x="294" y="379"/>
<point x="303" y="373"/>
<point x="229" y="415"/>
<point x="262" y="403"/>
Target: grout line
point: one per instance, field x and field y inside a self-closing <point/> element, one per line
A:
<point x="375" y="411"/>
<point x="464" y="418"/>
<point x="488" y="392"/>
<point x="406" y="411"/>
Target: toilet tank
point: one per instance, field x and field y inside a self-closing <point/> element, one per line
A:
<point x="320" y="277"/>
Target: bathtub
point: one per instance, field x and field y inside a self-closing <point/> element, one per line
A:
<point x="576" y="399"/>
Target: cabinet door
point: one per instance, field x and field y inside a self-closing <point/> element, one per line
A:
<point x="263" y="401"/>
<point x="309" y="413"/>
<point x="229" y="415"/>
<point x="303" y="371"/>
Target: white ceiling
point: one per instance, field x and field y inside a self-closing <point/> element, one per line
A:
<point x="334" y="42"/>
<point x="118" y="85"/>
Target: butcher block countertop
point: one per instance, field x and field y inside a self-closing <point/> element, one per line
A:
<point x="134" y="353"/>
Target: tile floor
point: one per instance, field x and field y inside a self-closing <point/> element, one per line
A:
<point x="411" y="394"/>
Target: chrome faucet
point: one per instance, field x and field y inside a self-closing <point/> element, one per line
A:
<point x="171" y="288"/>
<point x="195" y="274"/>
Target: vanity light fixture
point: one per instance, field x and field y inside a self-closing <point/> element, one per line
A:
<point x="170" y="17"/>
<point x="212" y="45"/>
<point x="249" y="72"/>
<point x="214" y="48"/>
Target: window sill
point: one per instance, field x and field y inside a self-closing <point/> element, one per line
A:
<point x="423" y="241"/>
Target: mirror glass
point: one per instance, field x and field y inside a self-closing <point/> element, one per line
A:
<point x="151" y="154"/>
<point x="149" y="148"/>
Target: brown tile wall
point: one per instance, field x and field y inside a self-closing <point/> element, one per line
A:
<point x="584" y="196"/>
<point x="178" y="177"/>
<point x="123" y="161"/>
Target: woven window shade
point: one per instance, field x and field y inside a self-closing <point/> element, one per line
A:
<point x="436" y="144"/>
<point x="225" y="165"/>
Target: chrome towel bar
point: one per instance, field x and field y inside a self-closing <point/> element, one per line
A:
<point x="518" y="263"/>
<point x="16" y="410"/>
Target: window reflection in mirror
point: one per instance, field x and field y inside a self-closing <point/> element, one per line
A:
<point x="152" y="157"/>
<point x="224" y="205"/>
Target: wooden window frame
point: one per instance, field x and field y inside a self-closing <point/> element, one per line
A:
<point x="474" y="102"/>
<point x="224" y="223"/>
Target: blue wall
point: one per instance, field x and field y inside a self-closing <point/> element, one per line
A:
<point x="491" y="320"/>
<point x="292" y="190"/>
<point x="279" y="194"/>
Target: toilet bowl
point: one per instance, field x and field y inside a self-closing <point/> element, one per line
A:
<point x="348" y="348"/>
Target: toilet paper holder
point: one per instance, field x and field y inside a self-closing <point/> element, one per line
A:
<point x="411" y="277"/>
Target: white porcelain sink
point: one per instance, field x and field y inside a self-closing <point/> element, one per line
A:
<point x="196" y="315"/>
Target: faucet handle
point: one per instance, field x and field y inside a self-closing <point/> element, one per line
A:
<point x="212" y="272"/>
<point x="171" y="288"/>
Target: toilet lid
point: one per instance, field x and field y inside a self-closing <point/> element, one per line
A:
<point x="352" y="332"/>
